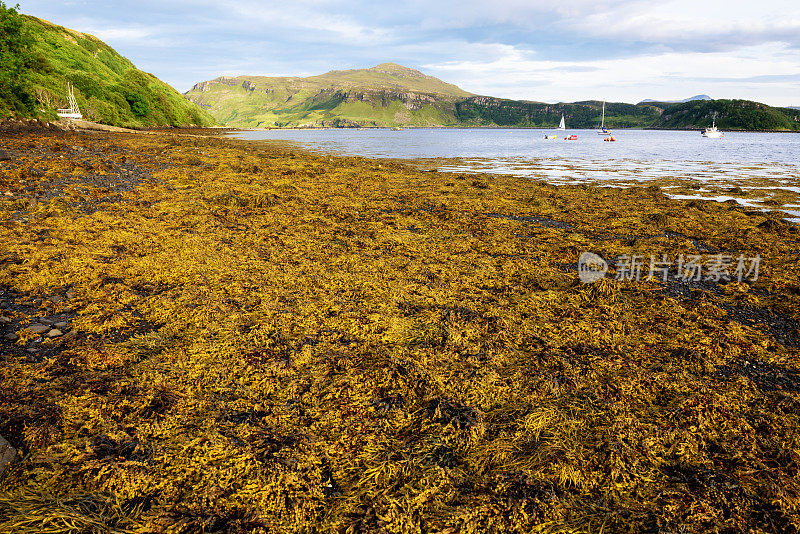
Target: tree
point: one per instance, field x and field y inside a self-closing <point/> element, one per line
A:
<point x="16" y="58"/>
<point x="138" y="103"/>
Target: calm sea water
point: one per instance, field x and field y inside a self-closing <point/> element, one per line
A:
<point x="763" y="161"/>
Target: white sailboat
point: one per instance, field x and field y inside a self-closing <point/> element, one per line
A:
<point x="713" y="132"/>
<point x="73" y="112"/>
<point x="603" y="130"/>
<point x="563" y="124"/>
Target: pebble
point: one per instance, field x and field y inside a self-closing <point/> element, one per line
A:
<point x="4" y="156"/>
<point x="55" y="332"/>
<point x="60" y="324"/>
<point x="38" y="328"/>
<point x="11" y="337"/>
<point x="55" y="299"/>
<point x="4" y="319"/>
<point x="42" y="320"/>
<point x="7" y="454"/>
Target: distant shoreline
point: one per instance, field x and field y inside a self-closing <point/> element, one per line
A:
<point x="232" y="129"/>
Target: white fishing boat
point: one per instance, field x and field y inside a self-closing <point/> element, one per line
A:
<point x="713" y="132"/>
<point x="563" y="124"/>
<point x="73" y="112"/>
<point x="603" y="130"/>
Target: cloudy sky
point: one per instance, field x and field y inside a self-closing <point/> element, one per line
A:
<point x="568" y="50"/>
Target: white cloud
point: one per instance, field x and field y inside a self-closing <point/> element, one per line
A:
<point x="708" y="22"/>
<point x="513" y="73"/>
<point x="309" y="21"/>
<point x="122" y="35"/>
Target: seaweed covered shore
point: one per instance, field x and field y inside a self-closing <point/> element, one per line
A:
<point x="208" y="335"/>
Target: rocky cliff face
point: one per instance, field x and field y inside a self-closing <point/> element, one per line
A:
<point x="412" y="101"/>
<point x="204" y="87"/>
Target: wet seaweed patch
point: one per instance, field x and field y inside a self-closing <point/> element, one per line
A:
<point x="543" y="221"/>
<point x="764" y="375"/>
<point x="261" y="339"/>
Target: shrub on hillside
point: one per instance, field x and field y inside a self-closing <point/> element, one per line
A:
<point x="16" y="58"/>
<point x="138" y="103"/>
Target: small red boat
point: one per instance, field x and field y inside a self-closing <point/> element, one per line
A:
<point x="572" y="137"/>
<point x="609" y="138"/>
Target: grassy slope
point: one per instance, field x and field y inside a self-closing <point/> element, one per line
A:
<point x="380" y="77"/>
<point x="108" y="87"/>
<point x="366" y="96"/>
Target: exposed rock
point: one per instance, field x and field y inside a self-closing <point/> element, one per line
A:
<point x="411" y="100"/>
<point x="11" y="337"/>
<point x="37" y="328"/>
<point x="4" y="156"/>
<point x="60" y="324"/>
<point x="55" y="332"/>
<point x="22" y="125"/>
<point x="7" y="454"/>
<point x="222" y="80"/>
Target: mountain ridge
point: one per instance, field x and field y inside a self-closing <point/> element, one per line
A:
<point x="384" y="75"/>
<point x="385" y="95"/>
<point x="685" y="100"/>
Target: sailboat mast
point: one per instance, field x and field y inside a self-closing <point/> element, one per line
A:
<point x="73" y="105"/>
<point x="603" y="124"/>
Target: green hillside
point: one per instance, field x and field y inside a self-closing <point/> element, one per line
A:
<point x="108" y="87"/>
<point x="489" y="111"/>
<point x="730" y="115"/>
<point x="386" y="76"/>
<point x="385" y="95"/>
<point x="393" y="95"/>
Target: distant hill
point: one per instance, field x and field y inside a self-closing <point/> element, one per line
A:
<point x="393" y="95"/>
<point x="108" y="87"/>
<point x="690" y="99"/>
<point x="730" y="115"/>
<point x="385" y="95"/>
<point x="490" y="111"/>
